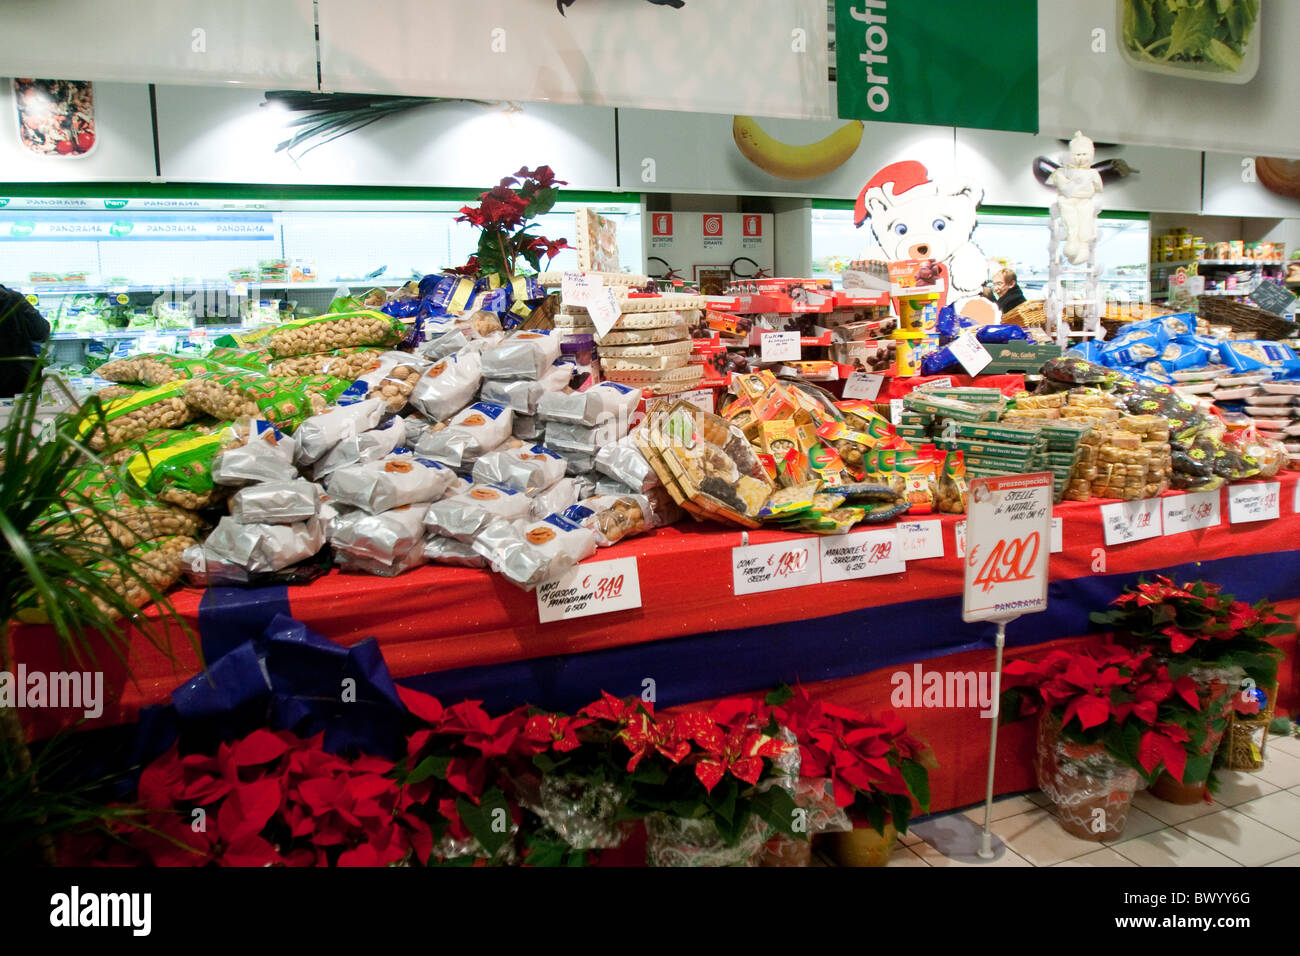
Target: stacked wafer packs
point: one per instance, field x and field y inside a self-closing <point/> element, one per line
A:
<point x="649" y="346"/>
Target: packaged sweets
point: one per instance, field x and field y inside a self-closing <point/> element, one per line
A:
<point x="398" y="564"/>
<point x="325" y="333"/>
<point x="528" y="554"/>
<point x="263" y="453"/>
<point x="526" y="354"/>
<point x="381" y="537"/>
<point x="391" y="482"/>
<point x="276" y="502"/>
<point x="565" y="493"/>
<point x="608" y="400"/>
<point x="464" y="515"/>
<point x="447" y="386"/>
<point x="612" y="518"/>
<point x="450" y="551"/>
<point x="623" y="462"/>
<point x="584" y="438"/>
<point x="471" y="433"/>
<point x="390" y="377"/>
<point x="367" y="446"/>
<point x="207" y="569"/>
<point x="526" y="468"/>
<point x="265" y="547"/>
<point x="522" y="395"/>
<point x="950" y="497"/>
<point x="528" y="428"/>
<point x="791" y="500"/>
<point x="318" y="434"/>
<point x="133" y="417"/>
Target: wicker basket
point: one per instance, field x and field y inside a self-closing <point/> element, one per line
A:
<point x="1218" y="310"/>
<point x="1246" y="740"/>
<point x="1027" y="315"/>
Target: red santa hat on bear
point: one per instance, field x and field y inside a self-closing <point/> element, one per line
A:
<point x="902" y="176"/>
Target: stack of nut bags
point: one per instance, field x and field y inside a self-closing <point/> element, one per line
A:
<point x="518" y="370"/>
<point x="383" y="530"/>
<point x="649" y="345"/>
<point x="273" y="517"/>
<point x="580" y="424"/>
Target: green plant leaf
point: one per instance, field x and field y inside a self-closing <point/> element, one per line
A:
<point x="918" y="782"/>
<point x="722" y="801"/>
<point x="1192" y="31"/>
<point x="434" y="766"/>
<point x="484" y="821"/>
<point x="776" y="808"/>
<point x="779" y="696"/>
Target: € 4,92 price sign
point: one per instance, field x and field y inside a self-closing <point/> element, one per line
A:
<point x="1008" y="538"/>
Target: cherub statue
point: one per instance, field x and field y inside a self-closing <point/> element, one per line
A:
<point x="1079" y="201"/>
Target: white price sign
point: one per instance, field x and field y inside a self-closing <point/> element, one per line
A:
<point x="776" y="566"/>
<point x="1199" y="509"/>
<point x="1126" y="521"/>
<point x="604" y="308"/>
<point x="781" y="347"/>
<point x="575" y="288"/>
<point x="1058" y="535"/>
<point x="863" y="554"/>
<point x="597" y="587"/>
<point x="920" y="539"/>
<point x="863" y="385"/>
<point x="895" y="410"/>
<point x="1254" y="502"/>
<point x="1008" y="529"/>
<point x="971" y="353"/>
<point x="959" y="532"/>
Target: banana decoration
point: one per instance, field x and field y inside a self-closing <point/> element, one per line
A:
<point x="786" y="161"/>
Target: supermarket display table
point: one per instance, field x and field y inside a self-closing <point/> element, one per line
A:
<point x="463" y="632"/>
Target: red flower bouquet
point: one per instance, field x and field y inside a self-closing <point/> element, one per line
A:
<point x="504" y="215"/>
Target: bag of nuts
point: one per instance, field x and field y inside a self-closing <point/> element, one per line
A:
<point x="324" y="333"/>
<point x="341" y="363"/>
<point x="237" y="393"/>
<point x="179" y="472"/>
<point x="126" y="419"/>
<point x="255" y="359"/>
<point x="159" y="368"/>
<point x="390" y="376"/>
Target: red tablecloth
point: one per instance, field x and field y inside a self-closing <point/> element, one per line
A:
<point x="438" y="620"/>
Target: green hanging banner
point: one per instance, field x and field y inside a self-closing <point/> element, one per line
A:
<point x="938" y="62"/>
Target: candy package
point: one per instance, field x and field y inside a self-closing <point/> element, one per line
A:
<point x="265" y="547"/>
<point x="527" y="468"/>
<point x="320" y="433"/>
<point x="463" y="516"/>
<point x="265" y="454"/>
<point x="391" y="482"/>
<point x="608" y="400"/>
<point x="528" y="554"/>
<point x="529" y="428"/>
<point x="399" y="564"/>
<point x="450" y="551"/>
<point x="523" y="394"/>
<point x="382" y="537"/>
<point x="205" y="568"/>
<point x="472" y="432"/>
<point x="526" y="354"/>
<point x="448" y="386"/>
<point x="565" y="493"/>
<point x="612" y="518"/>
<point x="369" y="445"/>
<point x="276" y="502"/>
<point x="623" y="462"/>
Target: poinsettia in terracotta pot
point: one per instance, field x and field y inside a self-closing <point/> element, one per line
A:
<point x="1219" y="642"/>
<point x="874" y="771"/>
<point x="1108" y="719"/>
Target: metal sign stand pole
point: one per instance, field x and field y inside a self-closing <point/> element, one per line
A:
<point x="986" y="839"/>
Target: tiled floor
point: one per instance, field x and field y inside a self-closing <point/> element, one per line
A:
<point x="1253" y="821"/>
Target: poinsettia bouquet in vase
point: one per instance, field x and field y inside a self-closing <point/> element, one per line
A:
<point x="504" y="215"/>
<point x="1110" y="720"/>
<point x="1220" y="643"/>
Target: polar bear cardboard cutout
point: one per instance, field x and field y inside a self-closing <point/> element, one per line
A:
<point x="915" y="218"/>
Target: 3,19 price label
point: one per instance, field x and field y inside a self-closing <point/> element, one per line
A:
<point x="773" y="567"/>
<point x="598" y="587"/>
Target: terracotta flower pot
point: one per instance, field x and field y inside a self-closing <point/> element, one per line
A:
<point x="1171" y="790"/>
<point x="1091" y="789"/>
<point x="1215" y="687"/>
<point x="782" y="850"/>
<point x="863" y="846"/>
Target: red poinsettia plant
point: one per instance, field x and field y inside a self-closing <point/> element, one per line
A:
<point x="1126" y="701"/>
<point x="876" y="770"/>
<point x="1195" y="625"/>
<point x="504" y="215"/>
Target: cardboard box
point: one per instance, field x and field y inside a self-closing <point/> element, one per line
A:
<point x="1026" y="357"/>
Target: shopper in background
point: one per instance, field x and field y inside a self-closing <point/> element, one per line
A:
<point x="22" y="329"/>
<point x="1007" y="289"/>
